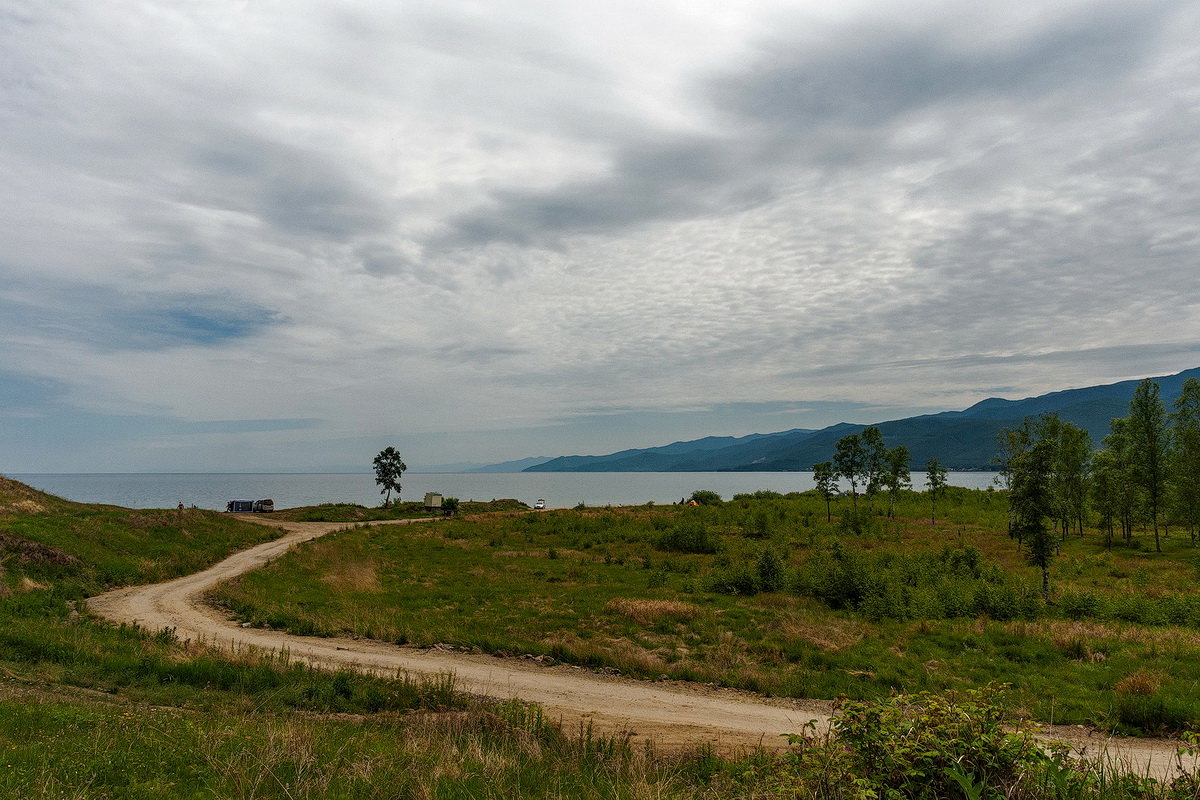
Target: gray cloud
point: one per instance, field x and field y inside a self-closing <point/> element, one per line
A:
<point x="816" y="106"/>
<point x="498" y="217"/>
<point x="132" y="319"/>
<point x="298" y="192"/>
<point x="867" y="75"/>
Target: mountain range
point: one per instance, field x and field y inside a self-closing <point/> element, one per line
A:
<point x="960" y="440"/>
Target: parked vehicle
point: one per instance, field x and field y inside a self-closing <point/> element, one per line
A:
<point x="264" y="506"/>
<point x="540" y="504"/>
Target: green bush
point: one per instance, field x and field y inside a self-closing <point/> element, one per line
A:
<point x="859" y="523"/>
<point x="688" y="536"/>
<point x="761" y="494"/>
<point x="929" y="585"/>
<point x="734" y="581"/>
<point x="770" y="571"/>
<point x="704" y="497"/>
<point x="928" y="747"/>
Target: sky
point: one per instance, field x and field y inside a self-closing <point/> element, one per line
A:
<point x="257" y="235"/>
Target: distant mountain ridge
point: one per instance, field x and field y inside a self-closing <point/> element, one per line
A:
<point x="960" y="440"/>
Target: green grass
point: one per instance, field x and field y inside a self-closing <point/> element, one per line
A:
<point x="54" y="553"/>
<point x="353" y="512"/>
<point x="91" y="710"/>
<point x="609" y="588"/>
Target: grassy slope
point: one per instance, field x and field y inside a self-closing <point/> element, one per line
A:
<point x="88" y="710"/>
<point x="592" y="588"/>
<point x="92" y="711"/>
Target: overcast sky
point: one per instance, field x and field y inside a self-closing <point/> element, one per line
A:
<point x="259" y="235"/>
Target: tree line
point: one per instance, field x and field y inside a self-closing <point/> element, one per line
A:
<point x="1145" y="474"/>
<point x="862" y="459"/>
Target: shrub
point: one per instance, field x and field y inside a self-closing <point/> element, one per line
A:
<point x="689" y="536"/>
<point x="761" y="494"/>
<point x="1080" y="605"/>
<point x="704" y="497"/>
<point x="735" y="581"/>
<point x="770" y="571"/>
<point x="929" y="585"/>
<point x="859" y="523"/>
<point x="927" y="746"/>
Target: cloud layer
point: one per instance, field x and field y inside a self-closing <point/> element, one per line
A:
<point x="267" y="235"/>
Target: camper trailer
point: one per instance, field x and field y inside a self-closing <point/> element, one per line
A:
<point x="433" y="501"/>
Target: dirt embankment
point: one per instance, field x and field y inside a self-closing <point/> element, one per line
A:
<point x="672" y="714"/>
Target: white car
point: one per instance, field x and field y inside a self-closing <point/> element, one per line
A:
<point x="540" y="504"/>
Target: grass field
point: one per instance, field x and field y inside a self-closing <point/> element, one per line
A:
<point x="89" y="710"/>
<point x="859" y="608"/>
<point x="353" y="512"/>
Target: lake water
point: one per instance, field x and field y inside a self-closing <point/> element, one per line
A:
<point x="213" y="490"/>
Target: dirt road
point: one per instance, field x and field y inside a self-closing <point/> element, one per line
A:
<point x="673" y="714"/>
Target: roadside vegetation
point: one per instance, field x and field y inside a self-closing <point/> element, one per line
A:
<point x="1075" y="584"/>
<point x="90" y="710"/>
<point x="883" y="589"/>
<point x="764" y="593"/>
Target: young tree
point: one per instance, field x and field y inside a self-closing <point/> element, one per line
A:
<point x="1073" y="464"/>
<point x="935" y="483"/>
<point x="1185" y="456"/>
<point x="1116" y="461"/>
<point x="897" y="476"/>
<point x="1148" y="448"/>
<point x="770" y="571"/>
<point x="1031" y="503"/>
<point x="389" y="467"/>
<point x="1013" y="442"/>
<point x="1105" y="492"/>
<point x="874" y="462"/>
<point x="825" y="478"/>
<point x="850" y="462"/>
<point x="1071" y="453"/>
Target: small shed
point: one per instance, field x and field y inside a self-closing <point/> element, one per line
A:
<point x="433" y="501"/>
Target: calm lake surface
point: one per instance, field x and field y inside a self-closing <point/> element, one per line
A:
<point x="213" y="490"/>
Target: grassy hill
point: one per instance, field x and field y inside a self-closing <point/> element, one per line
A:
<point x="90" y="710"/>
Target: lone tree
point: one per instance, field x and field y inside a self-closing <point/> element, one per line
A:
<point x="935" y="482"/>
<point x="850" y="462"/>
<point x="388" y="469"/>
<point x="825" y="477"/>
<point x="1031" y="503"/>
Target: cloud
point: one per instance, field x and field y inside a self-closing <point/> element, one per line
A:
<point x="130" y="319"/>
<point x="868" y="74"/>
<point x="812" y="106"/>
<point x="456" y="222"/>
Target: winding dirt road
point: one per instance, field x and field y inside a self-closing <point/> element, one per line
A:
<point x="671" y="714"/>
